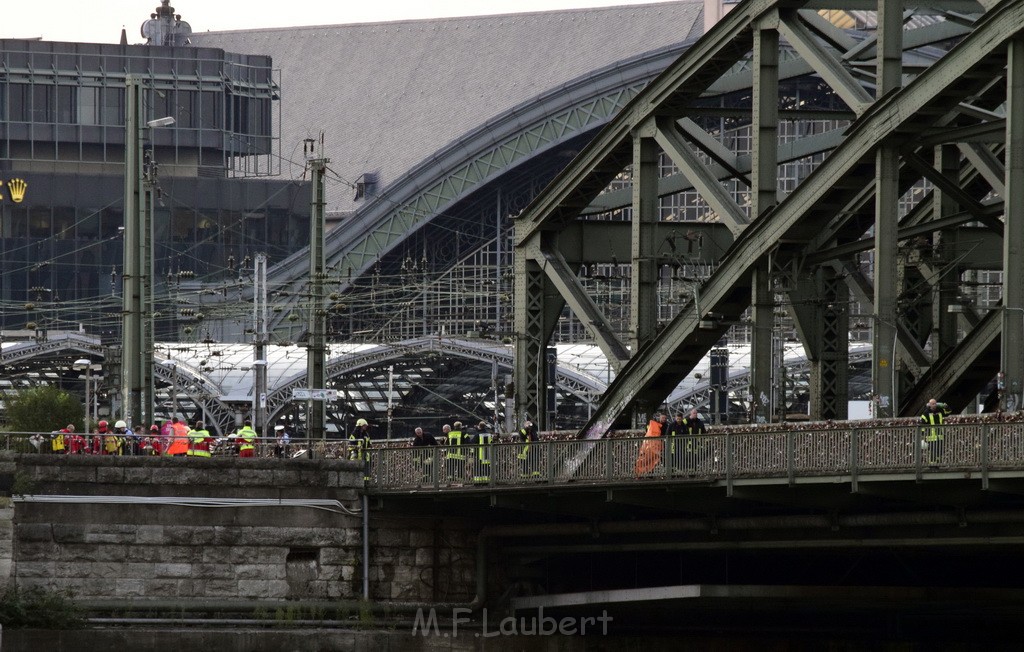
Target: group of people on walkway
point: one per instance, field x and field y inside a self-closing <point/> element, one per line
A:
<point x="686" y="446"/>
<point x="467" y="454"/>
<point x="174" y="438"/>
<point x="684" y="442"/>
<point x="467" y="450"/>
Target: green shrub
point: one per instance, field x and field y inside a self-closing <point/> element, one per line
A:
<point x="44" y="409"/>
<point x="37" y="608"/>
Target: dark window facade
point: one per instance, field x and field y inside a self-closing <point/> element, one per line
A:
<point x="63" y="110"/>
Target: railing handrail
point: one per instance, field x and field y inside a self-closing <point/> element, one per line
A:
<point x="855" y="450"/>
<point x="724" y="456"/>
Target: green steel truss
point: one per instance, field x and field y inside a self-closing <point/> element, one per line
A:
<point x="933" y="106"/>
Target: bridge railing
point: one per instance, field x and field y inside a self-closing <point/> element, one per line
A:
<point x="725" y="456"/>
<point x="719" y="456"/>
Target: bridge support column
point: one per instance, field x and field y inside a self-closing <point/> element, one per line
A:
<point x="830" y="350"/>
<point x="887" y="195"/>
<point x="883" y="370"/>
<point x="761" y="339"/>
<point x="764" y="195"/>
<point x="538" y="306"/>
<point x="643" y="314"/>
<point x="133" y="339"/>
<point x="1012" y="358"/>
<point x="644" y="279"/>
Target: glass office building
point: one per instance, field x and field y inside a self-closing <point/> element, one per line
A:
<point x="62" y="149"/>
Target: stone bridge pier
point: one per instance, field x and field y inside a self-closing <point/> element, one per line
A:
<point x="171" y="532"/>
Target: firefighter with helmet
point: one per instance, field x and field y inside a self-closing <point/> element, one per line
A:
<point x="528" y="458"/>
<point x="359" y="445"/>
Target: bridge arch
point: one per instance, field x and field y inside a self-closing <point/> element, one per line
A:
<point x="505" y="161"/>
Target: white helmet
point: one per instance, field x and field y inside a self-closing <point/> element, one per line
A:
<point x="120" y="424"/>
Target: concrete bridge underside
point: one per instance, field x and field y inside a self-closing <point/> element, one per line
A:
<point x="882" y="556"/>
<point x="926" y="174"/>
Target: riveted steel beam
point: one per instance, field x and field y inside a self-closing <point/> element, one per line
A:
<point x="960" y="375"/>
<point x="710" y="189"/>
<point x="581" y="303"/>
<point x="824" y="62"/>
<point x="937" y="92"/>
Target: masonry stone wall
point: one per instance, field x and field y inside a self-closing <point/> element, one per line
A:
<point x="168" y="550"/>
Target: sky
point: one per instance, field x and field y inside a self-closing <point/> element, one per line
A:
<point x="100" y="21"/>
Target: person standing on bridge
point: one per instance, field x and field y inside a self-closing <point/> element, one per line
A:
<point x="482" y="464"/>
<point x="246" y="440"/>
<point x="199" y="441"/>
<point x="359" y="445"/>
<point x="58" y="440"/>
<point x="283" y="441"/>
<point x="178" y="447"/>
<point x="528" y="458"/>
<point x="114" y="443"/>
<point x="933" y="437"/>
<point x="652" y="446"/>
<point x="424" y="459"/>
<point x="676" y="431"/>
<point x="153" y="445"/>
<point x="77" y="443"/>
<point x="684" y="446"/>
<point x="102" y="429"/>
<point x="456" y="454"/>
<point x="695" y="443"/>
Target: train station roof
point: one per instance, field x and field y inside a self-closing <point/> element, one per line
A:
<point x="387" y="96"/>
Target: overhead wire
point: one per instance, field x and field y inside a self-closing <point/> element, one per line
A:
<point x="356" y="299"/>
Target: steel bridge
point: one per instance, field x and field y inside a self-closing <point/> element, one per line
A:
<point x="926" y="113"/>
<point x="884" y="143"/>
<point x="884" y="126"/>
<point x="848" y="455"/>
<point x="856" y="525"/>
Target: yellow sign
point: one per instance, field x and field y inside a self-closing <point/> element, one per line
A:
<point x="17" y="188"/>
<point x="883" y="363"/>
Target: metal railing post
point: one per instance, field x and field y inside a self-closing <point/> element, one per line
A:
<point x="728" y="464"/>
<point x="853" y="461"/>
<point x="609" y="461"/>
<point x="916" y="438"/>
<point x="985" y="435"/>
<point x="492" y="456"/>
<point x="790" y="458"/>
<point x="666" y="458"/>
<point x="549" y="461"/>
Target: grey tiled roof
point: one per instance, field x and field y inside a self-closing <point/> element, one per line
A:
<point x="388" y="95"/>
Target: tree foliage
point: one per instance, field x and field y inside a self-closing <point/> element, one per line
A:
<point x="44" y="409"/>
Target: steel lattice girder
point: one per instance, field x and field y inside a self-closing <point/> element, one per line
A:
<point x="972" y="71"/>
